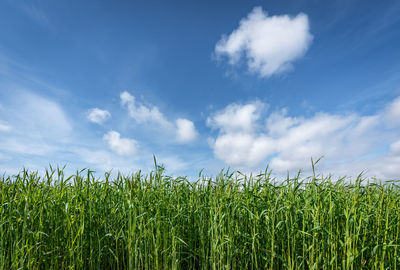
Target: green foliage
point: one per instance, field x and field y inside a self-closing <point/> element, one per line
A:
<point x="230" y="222"/>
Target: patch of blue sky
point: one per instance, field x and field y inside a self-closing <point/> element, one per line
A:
<point x="280" y="70"/>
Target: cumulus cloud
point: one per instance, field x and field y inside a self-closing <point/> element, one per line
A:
<point x="347" y="142"/>
<point x="121" y="146"/>
<point x="185" y="130"/>
<point x="242" y="148"/>
<point x="237" y="117"/>
<point x="98" y="116"/>
<point x="268" y="43"/>
<point x="238" y="143"/>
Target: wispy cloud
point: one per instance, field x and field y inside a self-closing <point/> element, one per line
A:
<point x="268" y="43"/>
<point x="37" y="116"/>
<point x="142" y="113"/>
<point x="347" y="142"/>
<point x="40" y="125"/>
<point x="97" y="158"/>
<point x="4" y="127"/>
<point x="183" y="129"/>
<point x="37" y="14"/>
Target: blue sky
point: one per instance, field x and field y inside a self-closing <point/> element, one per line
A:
<point x="201" y="84"/>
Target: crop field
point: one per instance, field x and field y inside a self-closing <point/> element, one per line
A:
<point x="232" y="221"/>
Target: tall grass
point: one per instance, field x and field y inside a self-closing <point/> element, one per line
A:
<point x="230" y="222"/>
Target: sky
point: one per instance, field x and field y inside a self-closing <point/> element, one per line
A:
<point x="201" y="85"/>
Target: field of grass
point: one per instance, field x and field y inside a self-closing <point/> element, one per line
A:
<point x="229" y="222"/>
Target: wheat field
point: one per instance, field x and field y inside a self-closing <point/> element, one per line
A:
<point x="231" y="221"/>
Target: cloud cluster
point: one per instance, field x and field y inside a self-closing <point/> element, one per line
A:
<point x="183" y="129"/>
<point x="36" y="129"/>
<point x="268" y="43"/>
<point x="246" y="139"/>
<point x="98" y="116"/>
<point x="238" y="142"/>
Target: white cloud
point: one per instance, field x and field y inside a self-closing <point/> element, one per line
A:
<point x="185" y="130"/>
<point x="269" y="43"/>
<point x="237" y="117"/>
<point x="349" y="143"/>
<point x="121" y="146"/>
<point x="393" y="111"/>
<point x="27" y="146"/>
<point x="142" y="113"/>
<point x="237" y="143"/>
<point x="40" y="116"/>
<point x="242" y="149"/>
<point x="395" y="147"/>
<point x="384" y="166"/>
<point x="36" y="14"/>
<point x="41" y="132"/>
<point x="4" y="127"/>
<point x="4" y="157"/>
<point x="39" y="125"/>
<point x="172" y="163"/>
<point x="320" y="135"/>
<point x="100" y="159"/>
<point x="126" y="98"/>
<point x="98" y="116"/>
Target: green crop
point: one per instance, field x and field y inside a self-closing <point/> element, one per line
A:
<point x="231" y="221"/>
